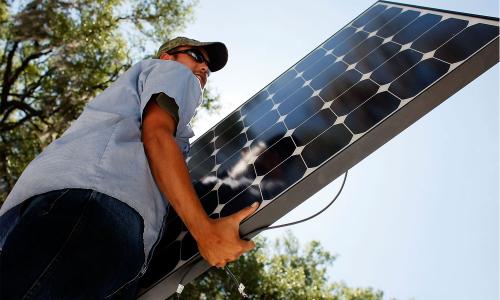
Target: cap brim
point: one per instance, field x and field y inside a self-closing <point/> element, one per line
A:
<point x="217" y="54"/>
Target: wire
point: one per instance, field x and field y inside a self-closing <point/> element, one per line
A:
<point x="180" y="286"/>
<point x="240" y="286"/>
<point x="259" y="230"/>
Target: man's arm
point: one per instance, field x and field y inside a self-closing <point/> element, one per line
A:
<point x="218" y="240"/>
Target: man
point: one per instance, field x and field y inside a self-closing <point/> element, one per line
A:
<point x="83" y="219"/>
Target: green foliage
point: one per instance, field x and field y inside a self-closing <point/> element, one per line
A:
<point x="279" y="270"/>
<point x="56" y="55"/>
<point x="211" y="100"/>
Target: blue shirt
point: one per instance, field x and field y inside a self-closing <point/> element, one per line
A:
<point x="102" y="149"/>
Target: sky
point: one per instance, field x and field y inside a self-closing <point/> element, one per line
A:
<point x="418" y="218"/>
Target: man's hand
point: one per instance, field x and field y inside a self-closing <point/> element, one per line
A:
<point x="221" y="242"/>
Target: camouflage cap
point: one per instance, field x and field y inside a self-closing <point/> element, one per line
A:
<point x="217" y="51"/>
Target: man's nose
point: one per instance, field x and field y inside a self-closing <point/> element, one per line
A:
<point x="205" y="69"/>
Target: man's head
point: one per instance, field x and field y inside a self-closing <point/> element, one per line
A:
<point x="201" y="58"/>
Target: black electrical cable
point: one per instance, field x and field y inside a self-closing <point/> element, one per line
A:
<point x="180" y="287"/>
<point x="259" y="230"/>
<point x="238" y="284"/>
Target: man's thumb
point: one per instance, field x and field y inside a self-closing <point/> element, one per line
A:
<point x="247" y="211"/>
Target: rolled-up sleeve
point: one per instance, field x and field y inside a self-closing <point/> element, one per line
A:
<point x="177" y="82"/>
<point x="168" y="104"/>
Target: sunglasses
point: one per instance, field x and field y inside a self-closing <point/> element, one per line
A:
<point x="194" y="53"/>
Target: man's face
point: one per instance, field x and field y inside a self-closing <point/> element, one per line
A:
<point x="200" y="70"/>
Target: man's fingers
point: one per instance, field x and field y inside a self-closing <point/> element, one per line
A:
<point x="221" y="265"/>
<point x="245" y="212"/>
<point x="248" y="246"/>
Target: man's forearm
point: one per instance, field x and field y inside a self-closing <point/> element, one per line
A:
<point x="172" y="178"/>
<point x="219" y="239"/>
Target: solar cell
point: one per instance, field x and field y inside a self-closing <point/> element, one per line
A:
<point x="361" y="87"/>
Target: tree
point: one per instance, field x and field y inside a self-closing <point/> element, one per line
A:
<point x="280" y="271"/>
<point x="55" y="55"/>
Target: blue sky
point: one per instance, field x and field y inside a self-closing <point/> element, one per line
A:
<point x="419" y="217"/>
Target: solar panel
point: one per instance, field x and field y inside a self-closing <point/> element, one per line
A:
<point x="357" y="90"/>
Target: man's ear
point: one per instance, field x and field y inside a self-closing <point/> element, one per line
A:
<point x="165" y="56"/>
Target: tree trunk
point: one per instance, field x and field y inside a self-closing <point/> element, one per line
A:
<point x="5" y="180"/>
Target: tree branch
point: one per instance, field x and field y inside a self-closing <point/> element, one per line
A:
<point x="6" y="114"/>
<point x="104" y="85"/>
<point x="5" y="84"/>
<point x="4" y="53"/>
<point x="28" y="110"/>
<point x="30" y="113"/>
<point x="31" y="89"/>
<point x="25" y="64"/>
<point x="20" y="104"/>
<point x="10" y="126"/>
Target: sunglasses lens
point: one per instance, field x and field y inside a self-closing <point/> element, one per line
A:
<point x="196" y="55"/>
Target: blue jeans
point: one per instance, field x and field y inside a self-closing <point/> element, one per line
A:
<point x="73" y="244"/>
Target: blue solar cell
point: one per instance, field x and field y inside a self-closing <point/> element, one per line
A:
<point x="340" y="85"/>
<point x="418" y="78"/>
<point x="244" y="199"/>
<point x="396" y="66"/>
<point x="371" y="112"/>
<point x="295" y="100"/>
<point x="382" y="19"/>
<point x="310" y="59"/>
<point x="269" y="136"/>
<point x="274" y="155"/>
<point x="439" y="34"/>
<point x="311" y="128"/>
<point x="363" y="49"/>
<point x="467" y="42"/>
<point x="356" y="95"/>
<point x="328" y="75"/>
<point x="339" y="37"/>
<point x="416" y="28"/>
<point x="283" y="176"/>
<point x="369" y="15"/>
<point x="398" y="23"/>
<point x="304" y="111"/>
<point x="350" y="43"/>
<point x="258" y="127"/>
<point x="378" y="57"/>
<point x="327" y="144"/>
<point x="318" y="67"/>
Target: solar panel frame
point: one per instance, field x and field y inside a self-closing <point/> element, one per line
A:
<point x="459" y="75"/>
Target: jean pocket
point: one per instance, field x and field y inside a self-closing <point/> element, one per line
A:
<point x="43" y="204"/>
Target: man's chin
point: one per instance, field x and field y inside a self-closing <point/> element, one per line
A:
<point x="200" y="79"/>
